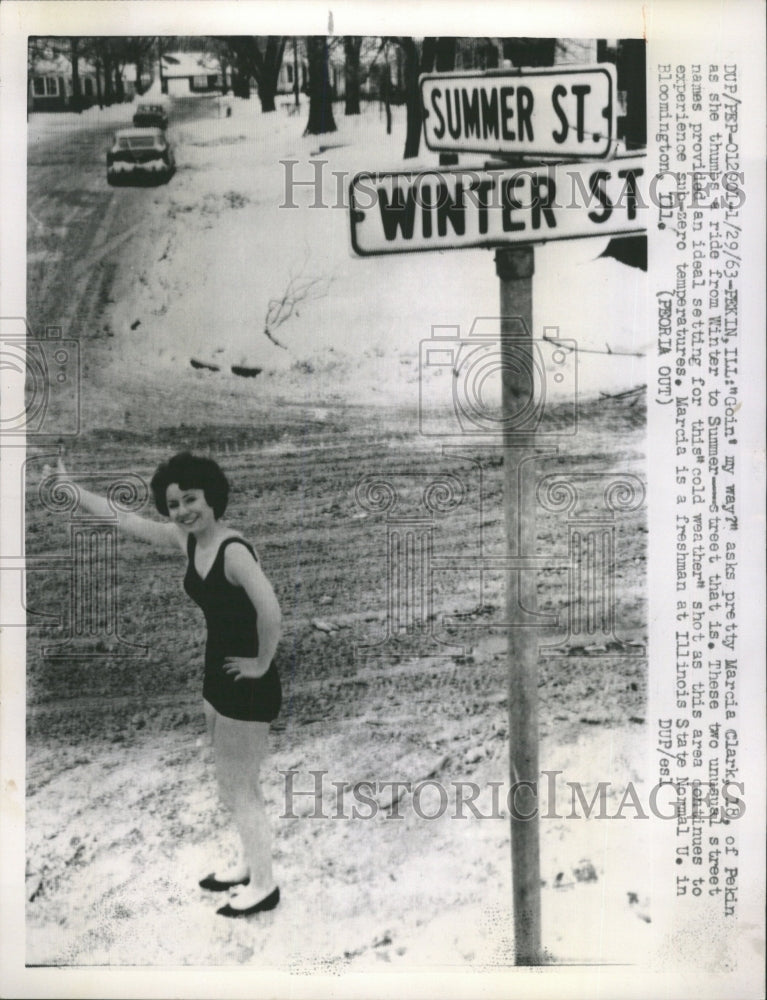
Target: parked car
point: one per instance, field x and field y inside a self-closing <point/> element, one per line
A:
<point x="140" y="152"/>
<point x="150" y="115"/>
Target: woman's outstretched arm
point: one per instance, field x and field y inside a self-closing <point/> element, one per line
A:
<point x="154" y="532"/>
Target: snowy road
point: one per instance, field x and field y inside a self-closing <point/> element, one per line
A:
<point x="77" y="225"/>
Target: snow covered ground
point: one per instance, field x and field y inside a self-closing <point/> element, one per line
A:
<point x="197" y="284"/>
<point x="227" y="243"/>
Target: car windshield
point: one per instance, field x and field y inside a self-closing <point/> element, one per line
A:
<point x="140" y="142"/>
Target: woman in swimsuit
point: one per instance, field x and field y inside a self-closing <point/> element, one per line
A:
<point x="241" y="691"/>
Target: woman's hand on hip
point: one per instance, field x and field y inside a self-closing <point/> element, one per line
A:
<point x="241" y="667"/>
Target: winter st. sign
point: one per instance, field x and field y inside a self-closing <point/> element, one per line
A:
<point x="563" y="112"/>
<point x="441" y="209"/>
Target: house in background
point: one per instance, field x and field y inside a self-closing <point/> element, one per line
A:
<point x="185" y="73"/>
<point x="50" y="88"/>
<point x="289" y="68"/>
<point x="50" y="84"/>
<point x="295" y="62"/>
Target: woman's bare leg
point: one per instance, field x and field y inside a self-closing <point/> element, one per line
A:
<point x="210" y="718"/>
<point x="239" y="870"/>
<point x="240" y="748"/>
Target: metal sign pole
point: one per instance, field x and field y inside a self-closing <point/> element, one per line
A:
<point x="515" y="268"/>
<point x="564" y="113"/>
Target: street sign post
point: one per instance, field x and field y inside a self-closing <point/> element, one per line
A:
<point x="515" y="267"/>
<point x="559" y="111"/>
<point x="456" y="208"/>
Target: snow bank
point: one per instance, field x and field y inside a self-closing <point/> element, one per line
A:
<point x="256" y="205"/>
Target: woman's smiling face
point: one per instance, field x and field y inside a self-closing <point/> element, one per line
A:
<point x="189" y="508"/>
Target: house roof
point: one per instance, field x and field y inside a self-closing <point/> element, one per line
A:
<point x="182" y="64"/>
<point x="59" y="65"/>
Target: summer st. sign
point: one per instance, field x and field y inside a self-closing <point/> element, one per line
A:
<point x="563" y="112"/>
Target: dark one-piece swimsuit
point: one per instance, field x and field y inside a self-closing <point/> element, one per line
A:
<point x="231" y="622"/>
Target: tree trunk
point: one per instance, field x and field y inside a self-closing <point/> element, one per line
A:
<point x="119" y="86"/>
<point x="266" y="96"/>
<point x="631" y="78"/>
<point x="76" y="102"/>
<point x="445" y="62"/>
<point x="240" y="84"/>
<point x="321" y="118"/>
<point x="225" y="75"/>
<point x="250" y="62"/>
<point x="445" y="54"/>
<point x="269" y="77"/>
<point x="386" y="94"/>
<point x="99" y="91"/>
<point x="296" y="82"/>
<point x="139" y="65"/>
<point x="529" y="51"/>
<point x="352" y="44"/>
<point x="428" y="55"/>
<point x="412" y="98"/>
<point x="109" y="97"/>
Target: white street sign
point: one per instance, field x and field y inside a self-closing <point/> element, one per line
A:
<point x="556" y="111"/>
<point x="455" y="208"/>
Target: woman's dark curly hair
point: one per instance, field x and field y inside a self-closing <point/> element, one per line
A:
<point x="191" y="472"/>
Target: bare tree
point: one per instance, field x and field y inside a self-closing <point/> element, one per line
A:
<point x="119" y="60"/>
<point x="530" y="51"/>
<point x="299" y="289"/>
<point x="444" y="55"/>
<point x="37" y="48"/>
<point x="412" y="97"/>
<point x="320" y="97"/>
<point x="259" y="57"/>
<point x="479" y="53"/>
<point x="352" y="46"/>
<point x="418" y="59"/>
<point x="386" y="88"/>
<point x="378" y="70"/>
<point x="74" y="58"/>
<point x="105" y="65"/>
<point x="139" y="51"/>
<point x="109" y="56"/>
